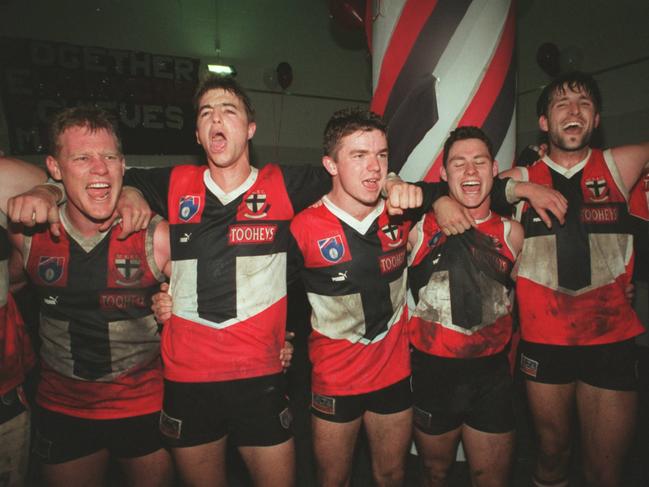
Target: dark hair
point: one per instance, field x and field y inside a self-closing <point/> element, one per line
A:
<point x="575" y="81"/>
<point x="227" y="83"/>
<point x="463" y="133"/>
<point x="347" y="121"/>
<point x="93" y="117"/>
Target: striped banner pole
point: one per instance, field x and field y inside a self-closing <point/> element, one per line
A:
<point x="438" y="64"/>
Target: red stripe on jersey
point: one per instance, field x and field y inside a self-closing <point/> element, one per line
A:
<point x="136" y="393"/>
<point x="342" y="368"/>
<point x="16" y="354"/>
<point x="250" y="348"/>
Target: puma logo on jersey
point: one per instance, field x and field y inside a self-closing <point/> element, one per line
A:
<point x="185" y="237"/>
<point x="51" y="300"/>
<point x="342" y="276"/>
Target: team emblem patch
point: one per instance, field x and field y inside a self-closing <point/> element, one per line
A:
<point x="421" y="418"/>
<point x="529" y="366"/>
<point x="129" y="267"/>
<point x="324" y="404"/>
<point x="169" y="426"/>
<point x="286" y="418"/>
<point x="393" y="233"/>
<point x="50" y="269"/>
<point x="598" y="189"/>
<point x="257" y="205"/>
<point x="189" y="206"/>
<point x="332" y="248"/>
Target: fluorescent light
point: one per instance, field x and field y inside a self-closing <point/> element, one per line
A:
<point x="222" y="69"/>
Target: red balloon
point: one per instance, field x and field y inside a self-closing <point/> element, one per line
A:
<point x="284" y="75"/>
<point x="547" y="57"/>
<point x="349" y="14"/>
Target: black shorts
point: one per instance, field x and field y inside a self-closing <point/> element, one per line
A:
<point x="611" y="366"/>
<point x="252" y="412"/>
<point x="449" y="392"/>
<point x="61" y="438"/>
<point x="342" y="409"/>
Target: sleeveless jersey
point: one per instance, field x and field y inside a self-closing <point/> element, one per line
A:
<point x="229" y="265"/>
<point x="355" y="276"/>
<point x="571" y="278"/>
<point x="100" y="348"/>
<point x="462" y="311"/>
<point x="16" y="354"/>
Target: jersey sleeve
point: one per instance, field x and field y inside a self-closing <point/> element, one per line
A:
<point x="305" y="184"/>
<point x="431" y="193"/>
<point x="154" y="185"/>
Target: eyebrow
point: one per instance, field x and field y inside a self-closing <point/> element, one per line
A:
<point x="223" y="104"/>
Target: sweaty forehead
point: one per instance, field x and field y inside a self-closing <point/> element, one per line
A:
<point x="468" y="148"/>
<point x="219" y="96"/>
<point x="566" y="90"/>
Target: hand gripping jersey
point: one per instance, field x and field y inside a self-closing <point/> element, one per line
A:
<point x="355" y="276"/>
<point x="461" y="287"/>
<point x="16" y="355"/>
<point x="100" y="344"/>
<point x="571" y="278"/>
<point x="228" y="279"/>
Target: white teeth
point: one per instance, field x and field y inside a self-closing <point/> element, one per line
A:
<point x="98" y="185"/>
<point x="471" y="183"/>
<point x="571" y="125"/>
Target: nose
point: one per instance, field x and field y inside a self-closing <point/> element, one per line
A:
<point x="470" y="168"/>
<point x="574" y="107"/>
<point x="373" y="163"/>
<point x="99" y="165"/>
<point x="216" y="115"/>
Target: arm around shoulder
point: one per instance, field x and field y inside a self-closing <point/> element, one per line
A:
<point x="631" y="161"/>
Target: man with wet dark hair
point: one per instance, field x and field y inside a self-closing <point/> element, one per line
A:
<point x="577" y="327"/>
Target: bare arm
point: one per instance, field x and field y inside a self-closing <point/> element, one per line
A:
<point x="17" y="177"/>
<point x="161" y="250"/>
<point x="631" y="161"/>
<point x="516" y="238"/>
<point x="541" y="198"/>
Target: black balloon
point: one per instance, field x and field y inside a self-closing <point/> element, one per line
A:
<point x="547" y="57"/>
<point x="284" y="75"/>
<point x="349" y="14"/>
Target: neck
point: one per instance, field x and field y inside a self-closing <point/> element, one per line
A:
<point x="230" y="177"/>
<point x="481" y="212"/>
<point x="568" y="159"/>
<point x="349" y="205"/>
<point x="81" y="223"/>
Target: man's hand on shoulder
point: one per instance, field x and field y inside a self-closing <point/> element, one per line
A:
<point x="134" y="211"/>
<point x="543" y="199"/>
<point x="452" y="218"/>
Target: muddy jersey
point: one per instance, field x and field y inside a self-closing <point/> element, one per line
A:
<point x="16" y="354"/>
<point x="355" y="276"/>
<point x="462" y="289"/>
<point x="229" y="264"/>
<point x="572" y="277"/>
<point x="100" y="348"/>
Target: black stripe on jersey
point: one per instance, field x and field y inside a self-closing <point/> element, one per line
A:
<point x="209" y="242"/>
<point x="573" y="247"/>
<point x="79" y="303"/>
<point x="363" y="276"/>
